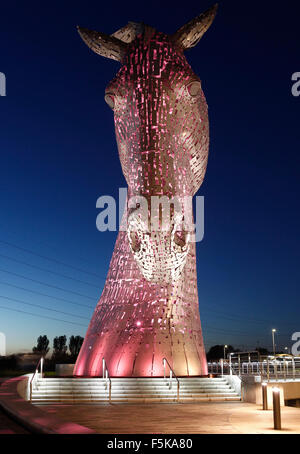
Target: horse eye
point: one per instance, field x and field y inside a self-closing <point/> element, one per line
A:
<point x="110" y="99"/>
<point x="194" y="88"/>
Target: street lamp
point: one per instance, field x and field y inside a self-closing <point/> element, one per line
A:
<point x="225" y="346"/>
<point x="273" y="339"/>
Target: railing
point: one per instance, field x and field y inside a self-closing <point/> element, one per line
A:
<point x="106" y="377"/>
<point x="237" y="374"/>
<point x="165" y="361"/>
<point x="274" y="368"/>
<point x="35" y="375"/>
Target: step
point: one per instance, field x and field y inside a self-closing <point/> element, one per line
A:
<point x="117" y="395"/>
<point x="128" y="380"/>
<point x="142" y="399"/>
<point x="131" y="390"/>
<point x="128" y="389"/>
<point x="44" y="382"/>
<point x="124" y="386"/>
<point x="139" y="400"/>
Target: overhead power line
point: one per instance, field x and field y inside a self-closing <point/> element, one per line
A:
<point x="49" y="271"/>
<point x="246" y="319"/>
<point x="235" y="316"/>
<point x="42" y="307"/>
<point x="50" y="246"/>
<point x="41" y="316"/>
<point x="48" y="258"/>
<point x="45" y="294"/>
<point x="238" y="333"/>
<point x="47" y="285"/>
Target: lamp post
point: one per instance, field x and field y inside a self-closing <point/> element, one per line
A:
<point x="273" y="339"/>
<point x="225" y="346"/>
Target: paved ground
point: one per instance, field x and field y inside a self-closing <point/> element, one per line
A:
<point x="7" y="425"/>
<point x="223" y="417"/>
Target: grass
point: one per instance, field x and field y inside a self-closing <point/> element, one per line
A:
<point x="17" y="373"/>
<point x="49" y="374"/>
<point x="12" y="373"/>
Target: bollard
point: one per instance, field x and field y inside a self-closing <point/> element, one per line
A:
<point x="276" y="408"/>
<point x="264" y="388"/>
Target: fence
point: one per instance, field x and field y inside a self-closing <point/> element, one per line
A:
<point x="269" y="368"/>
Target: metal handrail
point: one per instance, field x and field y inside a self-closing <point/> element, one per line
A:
<point x="233" y="372"/>
<point x="238" y="356"/>
<point x="40" y="363"/>
<point x="106" y="377"/>
<point x="171" y="376"/>
<point x="268" y="369"/>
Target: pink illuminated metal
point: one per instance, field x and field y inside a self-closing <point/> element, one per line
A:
<point x="148" y="309"/>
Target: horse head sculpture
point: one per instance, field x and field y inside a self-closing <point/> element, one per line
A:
<point x="162" y="132"/>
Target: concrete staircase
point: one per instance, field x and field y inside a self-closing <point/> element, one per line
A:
<point x="131" y="390"/>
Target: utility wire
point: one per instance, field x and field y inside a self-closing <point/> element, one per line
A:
<point x="243" y="318"/>
<point x="237" y="333"/>
<point x="246" y="319"/>
<point x="226" y="331"/>
<point x="47" y="285"/>
<point x="49" y="271"/>
<point x="45" y="294"/>
<point x="41" y="316"/>
<point x="48" y="258"/>
<point x="15" y="232"/>
<point x="42" y="307"/>
<point x="238" y="317"/>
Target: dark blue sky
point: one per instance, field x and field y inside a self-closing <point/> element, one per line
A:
<point x="58" y="155"/>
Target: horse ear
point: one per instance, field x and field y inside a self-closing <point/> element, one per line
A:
<point x="190" y="34"/>
<point x="128" y="33"/>
<point x="102" y="44"/>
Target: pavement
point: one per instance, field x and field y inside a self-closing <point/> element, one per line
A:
<point x="30" y="416"/>
<point x="196" y="418"/>
<point x="193" y="418"/>
<point x="8" y="425"/>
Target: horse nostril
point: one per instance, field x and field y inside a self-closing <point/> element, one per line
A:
<point x="194" y="88"/>
<point x="134" y="242"/>
<point x="110" y="100"/>
<point x="180" y="238"/>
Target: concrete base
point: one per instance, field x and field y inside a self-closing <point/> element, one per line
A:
<point x="252" y="390"/>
